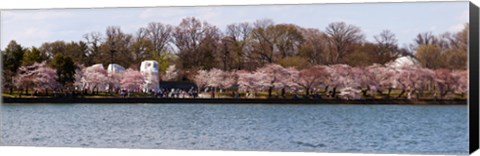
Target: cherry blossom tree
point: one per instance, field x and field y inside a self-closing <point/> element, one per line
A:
<point x="426" y="79"/>
<point x="248" y="81"/>
<point x="350" y="93"/>
<point x="132" y="80"/>
<point x="362" y="80"/>
<point x="229" y="79"/>
<point x="25" y="77"/>
<point x="172" y="73"/>
<point x="339" y="77"/>
<point x="215" y="78"/>
<point x="114" y="81"/>
<point x="289" y="80"/>
<point x="462" y="81"/>
<point x="446" y="81"/>
<point x="38" y="76"/>
<point x="45" y="78"/>
<point x="382" y="77"/>
<point x="201" y="79"/>
<point x="273" y="76"/>
<point x="412" y="79"/>
<point x="96" y="77"/>
<point x="80" y="82"/>
<point x="312" y="77"/>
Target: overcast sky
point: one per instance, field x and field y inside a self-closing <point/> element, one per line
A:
<point x="33" y="27"/>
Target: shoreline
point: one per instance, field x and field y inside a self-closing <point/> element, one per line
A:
<point x="236" y="101"/>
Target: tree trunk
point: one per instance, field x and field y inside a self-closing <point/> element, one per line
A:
<point x="401" y="93"/>
<point x="364" y="92"/>
<point x="212" y="93"/>
<point x="270" y="89"/>
<point x="443" y="94"/>
<point x="307" y="91"/>
<point x="334" y="92"/>
<point x="389" y="91"/>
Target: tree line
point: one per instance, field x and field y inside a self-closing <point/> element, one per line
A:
<point x="195" y="45"/>
<point x="340" y="81"/>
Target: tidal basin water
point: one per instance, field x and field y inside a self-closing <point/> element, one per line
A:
<point x="255" y="127"/>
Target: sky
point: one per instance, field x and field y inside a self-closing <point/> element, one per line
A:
<point x="34" y="27"/>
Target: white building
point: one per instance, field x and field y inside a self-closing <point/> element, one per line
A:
<point x="149" y="70"/>
<point x="115" y="74"/>
<point x="114" y="68"/>
<point x="98" y="65"/>
<point x="402" y="61"/>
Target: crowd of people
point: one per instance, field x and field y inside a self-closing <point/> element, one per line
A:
<point x="167" y="93"/>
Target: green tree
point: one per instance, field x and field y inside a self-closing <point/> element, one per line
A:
<point x="93" y="42"/>
<point x="142" y="47"/>
<point x="33" y="55"/>
<point x="12" y="60"/>
<point x="77" y="51"/>
<point x="52" y="48"/>
<point x="65" y="69"/>
<point x="118" y="43"/>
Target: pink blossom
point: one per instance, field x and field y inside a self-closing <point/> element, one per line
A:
<point x="96" y="77"/>
<point x="202" y="78"/>
<point x="132" y="80"/>
<point x="172" y="73"/>
<point x="273" y="76"/>
<point x="248" y="80"/>
<point x="313" y="77"/>
<point x="37" y="76"/>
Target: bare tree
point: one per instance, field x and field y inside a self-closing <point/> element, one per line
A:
<point x="93" y="40"/>
<point x="196" y="43"/>
<point x="288" y="39"/>
<point x="142" y="47"/>
<point x="341" y="37"/>
<point x="387" y="48"/>
<point x="426" y="38"/>
<point x="315" y="46"/>
<point x="116" y="48"/>
<point x="263" y="40"/>
<point x="160" y="35"/>
<point x="235" y="44"/>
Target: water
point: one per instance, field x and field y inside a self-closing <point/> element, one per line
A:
<point x="309" y="128"/>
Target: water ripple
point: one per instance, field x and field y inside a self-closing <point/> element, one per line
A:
<point x="315" y="128"/>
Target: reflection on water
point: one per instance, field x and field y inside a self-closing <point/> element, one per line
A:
<point x="316" y="128"/>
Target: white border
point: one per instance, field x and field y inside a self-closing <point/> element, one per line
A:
<point x="32" y="4"/>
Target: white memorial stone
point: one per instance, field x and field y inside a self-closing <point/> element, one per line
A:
<point x="149" y="70"/>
